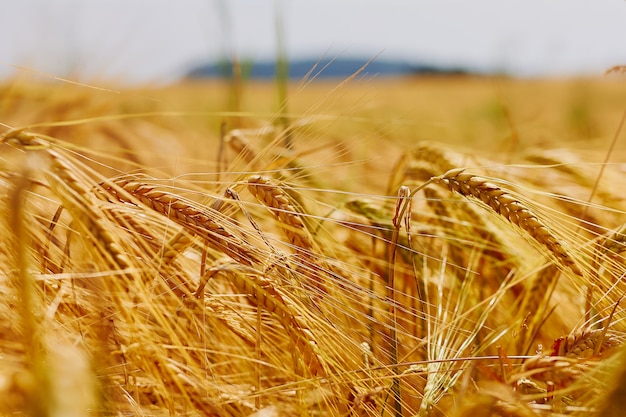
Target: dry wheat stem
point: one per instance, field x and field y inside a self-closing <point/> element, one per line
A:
<point x="506" y="205"/>
<point x="49" y="238"/>
<point x="403" y="206"/>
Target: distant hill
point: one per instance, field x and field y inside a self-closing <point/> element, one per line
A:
<point x="322" y="69"/>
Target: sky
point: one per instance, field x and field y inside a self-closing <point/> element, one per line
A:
<point x="154" y="41"/>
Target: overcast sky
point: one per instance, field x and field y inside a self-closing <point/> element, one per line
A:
<point x="158" y="40"/>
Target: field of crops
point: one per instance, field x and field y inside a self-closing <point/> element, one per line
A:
<point x="428" y="246"/>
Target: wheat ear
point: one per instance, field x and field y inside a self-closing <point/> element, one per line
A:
<point x="269" y="297"/>
<point x="74" y="195"/>
<point x="420" y="164"/>
<point x="505" y="204"/>
<point x="557" y="369"/>
<point x="614" y="243"/>
<point x="279" y="203"/>
<point x="240" y="144"/>
<point x="436" y="157"/>
<point x="586" y="343"/>
<point x="198" y="220"/>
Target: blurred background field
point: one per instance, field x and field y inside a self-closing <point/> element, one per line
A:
<point x="499" y="116"/>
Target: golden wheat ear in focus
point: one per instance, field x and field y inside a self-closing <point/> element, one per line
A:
<point x="244" y="277"/>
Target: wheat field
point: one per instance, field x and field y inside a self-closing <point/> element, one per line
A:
<point x="428" y="246"/>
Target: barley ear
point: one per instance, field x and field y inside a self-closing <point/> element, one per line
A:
<point x="272" y="299"/>
<point x="506" y="205"/>
<point x="292" y="225"/>
<point x="201" y="221"/>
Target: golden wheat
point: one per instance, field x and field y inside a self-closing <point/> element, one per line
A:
<point x="214" y="322"/>
<point x="268" y="296"/>
<point x="198" y="220"/>
<point x="509" y="207"/>
<point x="279" y="203"/>
<point x="587" y="343"/>
<point x="74" y="194"/>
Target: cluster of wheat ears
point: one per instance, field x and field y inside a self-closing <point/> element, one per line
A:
<point x="467" y="288"/>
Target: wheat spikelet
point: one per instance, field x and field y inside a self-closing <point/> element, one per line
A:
<point x="136" y="227"/>
<point x="615" y="243"/>
<point x="240" y="144"/>
<point x="564" y="161"/>
<point x="558" y="369"/>
<point x="200" y="221"/>
<point x="422" y="163"/>
<point x="174" y="247"/>
<point x="435" y="157"/>
<point x="506" y="205"/>
<point x="586" y="343"/>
